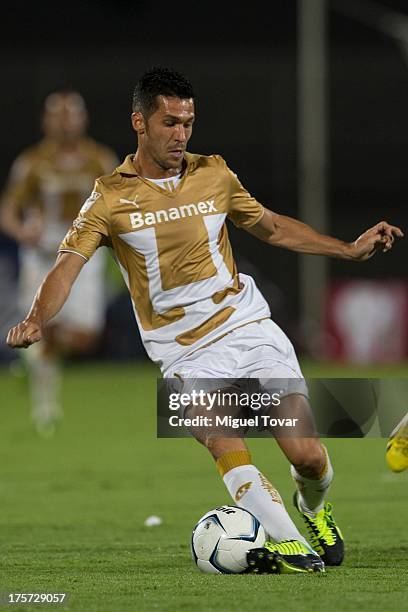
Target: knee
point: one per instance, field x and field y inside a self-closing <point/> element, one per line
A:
<point x="216" y="446"/>
<point x="311" y="462"/>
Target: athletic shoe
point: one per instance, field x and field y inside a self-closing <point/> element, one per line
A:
<point x="397" y="447"/>
<point x="324" y="535"/>
<point x="286" y="557"/>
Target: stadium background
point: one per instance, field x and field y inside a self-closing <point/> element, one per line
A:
<point x="73" y="506"/>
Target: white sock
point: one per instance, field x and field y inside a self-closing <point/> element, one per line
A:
<point x="312" y="492"/>
<point x="251" y="490"/>
<point x="44" y="376"/>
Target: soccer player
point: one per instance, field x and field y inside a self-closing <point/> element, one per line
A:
<point x="47" y="186"/>
<point x="397" y="447"/>
<point x="163" y="212"/>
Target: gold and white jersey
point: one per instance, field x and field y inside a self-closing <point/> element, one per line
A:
<point x="173" y="250"/>
<point x="56" y="182"/>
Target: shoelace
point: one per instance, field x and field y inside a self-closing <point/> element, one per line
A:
<point x="323" y="523"/>
<point x="287" y="547"/>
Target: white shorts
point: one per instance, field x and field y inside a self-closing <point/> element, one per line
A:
<point x="85" y="308"/>
<point x="257" y="350"/>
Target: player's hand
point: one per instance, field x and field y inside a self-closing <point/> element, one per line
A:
<point x="378" y="238"/>
<point x="24" y="334"/>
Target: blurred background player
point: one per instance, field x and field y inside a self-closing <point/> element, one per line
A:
<point x="46" y="188"/>
<point x="397" y="447"/>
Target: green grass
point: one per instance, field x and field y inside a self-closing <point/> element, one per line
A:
<point x="72" y="509"/>
<point x="335" y="370"/>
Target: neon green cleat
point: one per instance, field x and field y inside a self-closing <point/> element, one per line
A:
<point x="324" y="535"/>
<point x="397" y="448"/>
<point x="286" y="557"/>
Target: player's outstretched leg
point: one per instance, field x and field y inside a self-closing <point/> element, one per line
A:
<point x="312" y="472"/>
<point x="397" y="448"/>
<point x="289" y="552"/>
<point x="251" y="490"/>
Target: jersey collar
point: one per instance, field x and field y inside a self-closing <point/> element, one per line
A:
<point x="127" y="168"/>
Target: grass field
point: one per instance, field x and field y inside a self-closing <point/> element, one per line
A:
<point x="72" y="508"/>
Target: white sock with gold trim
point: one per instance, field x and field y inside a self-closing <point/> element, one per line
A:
<point x="250" y="489"/>
<point x="311" y="492"/>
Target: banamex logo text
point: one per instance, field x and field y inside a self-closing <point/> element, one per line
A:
<point x="139" y="219"/>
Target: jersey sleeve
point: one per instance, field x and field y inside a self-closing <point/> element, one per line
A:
<point x="90" y="229"/>
<point x="244" y="210"/>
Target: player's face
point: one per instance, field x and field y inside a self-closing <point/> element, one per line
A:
<point x="167" y="131"/>
<point x="65" y="116"/>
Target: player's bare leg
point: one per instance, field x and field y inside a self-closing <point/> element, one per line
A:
<point x="44" y="370"/>
<point x="44" y="377"/>
<point x="289" y="552"/>
<point x="248" y="487"/>
<point x="312" y="472"/>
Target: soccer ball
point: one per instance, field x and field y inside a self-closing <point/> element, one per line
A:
<point x="222" y="537"/>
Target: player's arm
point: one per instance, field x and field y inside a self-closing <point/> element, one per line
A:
<point x="12" y="224"/>
<point x="289" y="233"/>
<point x="21" y="194"/>
<point x="48" y="301"/>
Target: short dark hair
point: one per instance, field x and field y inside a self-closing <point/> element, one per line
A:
<point x="159" y="81"/>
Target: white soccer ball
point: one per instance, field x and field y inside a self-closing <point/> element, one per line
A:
<point x="222" y="537"/>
